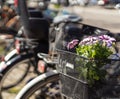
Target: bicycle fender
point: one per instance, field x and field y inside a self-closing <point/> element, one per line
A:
<point x="4" y="65"/>
<point x="34" y="81"/>
<point x="10" y="55"/>
<point x="7" y="58"/>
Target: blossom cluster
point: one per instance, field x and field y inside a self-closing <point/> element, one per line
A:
<point x="96" y="50"/>
<point x="103" y="39"/>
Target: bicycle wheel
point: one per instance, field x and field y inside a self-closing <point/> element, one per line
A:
<point x="41" y="87"/>
<point x="14" y="74"/>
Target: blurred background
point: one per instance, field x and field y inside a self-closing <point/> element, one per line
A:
<point x="101" y="13"/>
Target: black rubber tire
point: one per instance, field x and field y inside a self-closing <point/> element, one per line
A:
<point x="14" y="63"/>
<point x="36" y="85"/>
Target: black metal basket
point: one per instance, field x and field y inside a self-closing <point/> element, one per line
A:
<point x="74" y="84"/>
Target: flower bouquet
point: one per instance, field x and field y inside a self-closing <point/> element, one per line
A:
<point x="96" y="49"/>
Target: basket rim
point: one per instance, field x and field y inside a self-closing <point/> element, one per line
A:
<point x="72" y="53"/>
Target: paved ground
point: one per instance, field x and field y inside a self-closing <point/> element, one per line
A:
<point x="16" y="73"/>
<point x="99" y="16"/>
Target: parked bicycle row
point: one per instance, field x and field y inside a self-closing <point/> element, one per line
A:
<point x="69" y="59"/>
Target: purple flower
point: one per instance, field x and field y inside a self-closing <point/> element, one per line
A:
<point x="89" y="40"/>
<point x="72" y="44"/>
<point x="103" y="39"/>
<point x="109" y="44"/>
<point x="107" y="39"/>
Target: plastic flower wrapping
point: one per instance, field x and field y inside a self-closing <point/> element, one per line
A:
<point x="96" y="49"/>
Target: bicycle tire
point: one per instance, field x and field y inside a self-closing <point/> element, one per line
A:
<point x="14" y="64"/>
<point x="37" y="83"/>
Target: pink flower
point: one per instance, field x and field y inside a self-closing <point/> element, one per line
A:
<point x="72" y="44"/>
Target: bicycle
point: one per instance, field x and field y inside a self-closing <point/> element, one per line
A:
<point x="40" y="85"/>
<point x="14" y="58"/>
<point x="17" y="56"/>
<point x="43" y="82"/>
<point x="70" y="84"/>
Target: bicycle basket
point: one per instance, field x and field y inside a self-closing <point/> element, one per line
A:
<point x="74" y="84"/>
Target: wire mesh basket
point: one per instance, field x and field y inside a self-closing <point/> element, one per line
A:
<point x="74" y="84"/>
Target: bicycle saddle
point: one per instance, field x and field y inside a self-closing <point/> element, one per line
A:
<point x="66" y="18"/>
